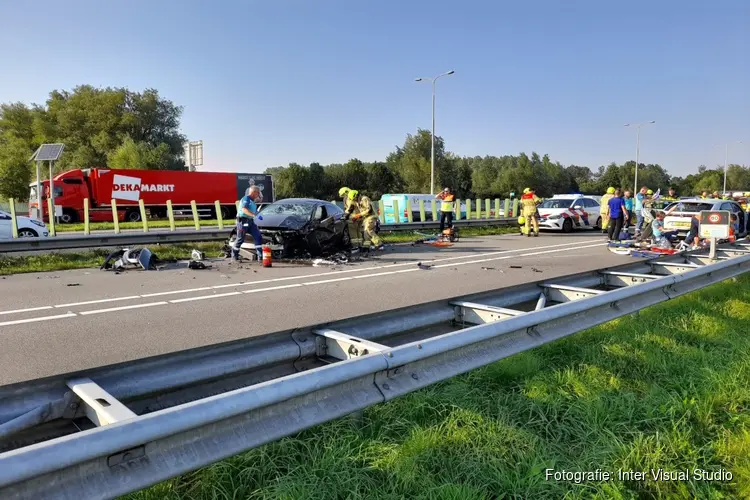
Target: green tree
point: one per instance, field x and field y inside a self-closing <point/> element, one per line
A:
<point x="15" y="173"/>
<point x="137" y="156"/>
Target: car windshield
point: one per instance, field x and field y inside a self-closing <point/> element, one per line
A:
<point x="289" y="209"/>
<point x="693" y="207"/>
<point x="558" y="203"/>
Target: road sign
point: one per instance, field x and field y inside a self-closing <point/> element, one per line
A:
<point x="714" y="224"/>
<point x="194" y="154"/>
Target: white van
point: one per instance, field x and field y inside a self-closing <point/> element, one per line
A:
<point x="414" y="199"/>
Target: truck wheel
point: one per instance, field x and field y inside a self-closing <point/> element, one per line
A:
<point x="68" y="217"/>
<point x="227" y="213"/>
<point x="133" y="216"/>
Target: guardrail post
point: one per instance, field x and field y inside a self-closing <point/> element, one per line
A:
<point x="13" y="221"/>
<point x="421" y="211"/>
<point x="197" y="221"/>
<point x="506" y="207"/>
<point x="381" y="211"/>
<point x="115" y="217"/>
<point x="218" y="214"/>
<point x="51" y="217"/>
<point x="497" y="208"/>
<point x="468" y="209"/>
<point x="170" y="215"/>
<point x="479" y="208"/>
<point x="487" y="209"/>
<point x="144" y="219"/>
<point x="515" y="207"/>
<point x="409" y="217"/>
<point x="396" y="214"/>
<point x="86" y="225"/>
<point x="458" y="210"/>
<point x="434" y="210"/>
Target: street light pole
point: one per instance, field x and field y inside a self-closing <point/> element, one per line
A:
<point x="637" y="149"/>
<point x="726" y="162"/>
<point x="432" y="152"/>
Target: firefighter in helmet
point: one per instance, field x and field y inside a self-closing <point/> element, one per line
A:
<point x="529" y="201"/>
<point x="369" y="217"/>
<point x="604" y="210"/>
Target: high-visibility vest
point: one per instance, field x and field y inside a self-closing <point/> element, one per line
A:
<point x="447" y="204"/>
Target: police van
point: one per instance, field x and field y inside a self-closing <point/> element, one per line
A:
<point x="414" y="199"/>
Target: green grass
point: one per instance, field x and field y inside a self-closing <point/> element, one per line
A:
<point x="668" y="389"/>
<point x="155" y="224"/>
<point x="58" y="261"/>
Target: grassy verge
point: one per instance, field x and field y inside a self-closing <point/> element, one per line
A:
<point x="667" y="389"/>
<point x="58" y="261"/>
<point x="154" y="224"/>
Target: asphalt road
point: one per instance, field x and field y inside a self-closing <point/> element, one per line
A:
<point x="53" y="323"/>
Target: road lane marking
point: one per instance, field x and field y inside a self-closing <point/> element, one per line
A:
<point x="204" y="297"/>
<point x="386" y="273"/>
<point x="173" y="292"/>
<point x="34" y="320"/>
<point x="123" y="308"/>
<point x="561" y="246"/>
<point x="100" y="301"/>
<point x="512" y="256"/>
<point x="30" y="309"/>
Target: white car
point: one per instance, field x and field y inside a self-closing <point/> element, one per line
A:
<point x="565" y="212"/>
<point x="27" y="227"/>
<point x="680" y="219"/>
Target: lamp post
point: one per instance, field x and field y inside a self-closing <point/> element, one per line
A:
<point x="432" y="155"/>
<point x="726" y="157"/>
<point x="637" y="149"/>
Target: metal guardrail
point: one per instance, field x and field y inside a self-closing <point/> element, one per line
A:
<point x="168" y="415"/>
<point x="165" y="237"/>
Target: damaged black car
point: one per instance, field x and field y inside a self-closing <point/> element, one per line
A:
<point x="302" y="226"/>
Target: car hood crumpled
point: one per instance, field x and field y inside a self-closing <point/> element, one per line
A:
<point x="283" y="222"/>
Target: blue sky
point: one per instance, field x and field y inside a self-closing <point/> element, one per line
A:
<point x="279" y="81"/>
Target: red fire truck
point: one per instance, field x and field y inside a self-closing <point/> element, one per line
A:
<point x="154" y="187"/>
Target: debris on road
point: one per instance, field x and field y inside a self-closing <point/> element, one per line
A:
<point x="423" y="266"/>
<point x="516" y="267"/>
<point x="197" y="255"/>
<point x="197" y="264"/>
<point x="125" y="258"/>
<point x="536" y="270"/>
<point x="73" y="284"/>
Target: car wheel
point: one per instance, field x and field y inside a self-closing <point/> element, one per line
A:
<point x="567" y="226"/>
<point x="598" y="223"/>
<point x="27" y="233"/>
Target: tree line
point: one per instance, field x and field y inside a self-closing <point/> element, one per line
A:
<point x="407" y="170"/>
<point x="110" y="127"/>
<point x="121" y="129"/>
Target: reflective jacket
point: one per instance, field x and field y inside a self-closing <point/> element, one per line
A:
<point x="529" y="202"/>
<point x="365" y="208"/>
<point x="449" y="201"/>
<point x="605" y="204"/>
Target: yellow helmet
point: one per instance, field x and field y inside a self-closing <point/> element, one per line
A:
<point x="526" y="191"/>
<point x="610" y="190"/>
<point x="521" y="220"/>
<point x="343" y="191"/>
<point x="649" y="192"/>
<point x="353" y="193"/>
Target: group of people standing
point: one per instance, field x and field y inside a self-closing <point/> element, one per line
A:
<point x="619" y="206"/>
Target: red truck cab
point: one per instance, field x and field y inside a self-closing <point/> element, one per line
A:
<point x="71" y="188"/>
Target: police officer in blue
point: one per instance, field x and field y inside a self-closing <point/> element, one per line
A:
<point x="246" y="222"/>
